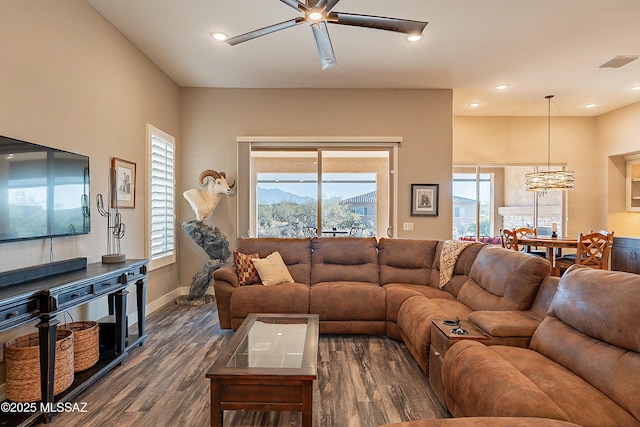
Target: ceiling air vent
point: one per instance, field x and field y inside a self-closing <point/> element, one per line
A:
<point x="619" y="61"/>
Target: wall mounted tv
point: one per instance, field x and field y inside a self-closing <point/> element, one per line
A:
<point x="44" y="192"/>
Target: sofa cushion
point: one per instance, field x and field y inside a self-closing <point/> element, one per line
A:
<point x="483" y="383"/>
<point x="398" y="293"/>
<point x="592" y="329"/>
<point x="502" y="279"/>
<point x="281" y="298"/>
<point x="514" y="323"/>
<point x="247" y="272"/>
<point x="296" y="253"/>
<point x="272" y="270"/>
<point x="353" y="301"/>
<point x="512" y="381"/>
<point x="344" y="259"/>
<point x="461" y="271"/>
<point x="406" y="260"/>
<point x="414" y="321"/>
<point x="485" y="422"/>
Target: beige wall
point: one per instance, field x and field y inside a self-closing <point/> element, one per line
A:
<point x="618" y="134"/>
<point x="523" y="140"/>
<point x="213" y="118"/>
<point x="69" y="80"/>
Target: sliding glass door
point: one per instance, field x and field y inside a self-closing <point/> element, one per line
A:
<point x="489" y="198"/>
<point x="323" y="192"/>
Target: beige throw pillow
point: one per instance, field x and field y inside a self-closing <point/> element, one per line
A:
<point x="272" y="269"/>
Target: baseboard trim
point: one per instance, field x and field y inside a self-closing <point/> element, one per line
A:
<point x="184" y="290"/>
<point x="154" y="305"/>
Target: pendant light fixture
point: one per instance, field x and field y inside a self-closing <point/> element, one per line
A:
<point x="549" y="180"/>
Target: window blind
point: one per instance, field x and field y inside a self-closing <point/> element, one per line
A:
<point x="162" y="200"/>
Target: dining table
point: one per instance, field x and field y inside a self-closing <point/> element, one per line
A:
<point x="550" y="243"/>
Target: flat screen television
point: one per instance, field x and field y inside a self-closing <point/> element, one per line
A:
<point x="44" y="192"/>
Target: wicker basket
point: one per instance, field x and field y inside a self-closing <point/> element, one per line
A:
<point x="22" y="358"/>
<point x="86" y="345"/>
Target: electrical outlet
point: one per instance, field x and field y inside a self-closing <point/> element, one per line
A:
<point x="407" y="226"/>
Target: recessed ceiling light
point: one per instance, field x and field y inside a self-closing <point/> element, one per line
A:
<point x="591" y="105"/>
<point x="216" y="35"/>
<point x="414" y="38"/>
<point x="501" y="86"/>
<point x="636" y="87"/>
<point x="474" y="104"/>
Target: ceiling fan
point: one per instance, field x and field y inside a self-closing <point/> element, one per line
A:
<point x="318" y="13"/>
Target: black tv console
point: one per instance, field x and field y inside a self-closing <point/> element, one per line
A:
<point x="45" y="297"/>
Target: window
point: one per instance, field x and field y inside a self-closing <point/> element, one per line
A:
<point x="333" y="188"/>
<point x="289" y="198"/>
<point x="161" y="196"/>
<point x="488" y="198"/>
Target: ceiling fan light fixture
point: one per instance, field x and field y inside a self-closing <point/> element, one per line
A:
<point x="414" y="37"/>
<point x="543" y="181"/>
<point x="319" y="13"/>
<point x="217" y="35"/>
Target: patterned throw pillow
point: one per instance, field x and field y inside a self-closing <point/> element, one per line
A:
<point x="247" y="273"/>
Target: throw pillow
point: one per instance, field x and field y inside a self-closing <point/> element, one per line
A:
<point x="247" y="273"/>
<point x="272" y="270"/>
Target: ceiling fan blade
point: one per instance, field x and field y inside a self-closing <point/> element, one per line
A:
<point x="405" y="26"/>
<point x="295" y="4"/>
<point x="264" y="31"/>
<point x="330" y="4"/>
<point x="323" y="43"/>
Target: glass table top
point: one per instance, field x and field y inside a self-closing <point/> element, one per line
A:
<point x="272" y="343"/>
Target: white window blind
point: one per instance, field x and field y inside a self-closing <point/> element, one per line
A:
<point x="161" y="247"/>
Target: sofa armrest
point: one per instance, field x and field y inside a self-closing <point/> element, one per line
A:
<point x="505" y="323"/>
<point x="227" y="274"/>
<point x="225" y="281"/>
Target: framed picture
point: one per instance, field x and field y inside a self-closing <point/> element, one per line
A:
<point x="424" y="199"/>
<point x="125" y="186"/>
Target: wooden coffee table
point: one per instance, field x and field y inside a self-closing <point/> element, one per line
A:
<point x="269" y="365"/>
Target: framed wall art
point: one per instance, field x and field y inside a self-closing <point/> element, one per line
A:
<point x="424" y="199"/>
<point x="125" y="185"/>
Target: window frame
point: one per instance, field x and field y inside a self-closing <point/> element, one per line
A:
<point x="246" y="188"/>
<point x="170" y="257"/>
<point x="480" y="169"/>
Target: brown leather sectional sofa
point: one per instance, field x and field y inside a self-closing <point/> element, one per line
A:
<point x="362" y="286"/>
<point x="391" y="286"/>
<point x="582" y="365"/>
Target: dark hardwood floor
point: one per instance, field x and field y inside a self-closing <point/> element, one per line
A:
<point x="362" y="381"/>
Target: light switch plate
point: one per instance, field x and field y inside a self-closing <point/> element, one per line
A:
<point x="407" y="226"/>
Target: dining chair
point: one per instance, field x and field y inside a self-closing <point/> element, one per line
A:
<point x="310" y="232"/>
<point x="509" y="239"/>
<point x="523" y="232"/>
<point x="593" y="251"/>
